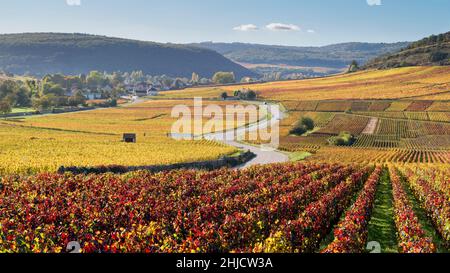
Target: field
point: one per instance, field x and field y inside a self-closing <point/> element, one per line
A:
<point x="390" y="184"/>
<point x="276" y="208"/>
<point x="93" y="138"/>
<point x="383" y="141"/>
<point x="352" y="124"/>
<point x="427" y="83"/>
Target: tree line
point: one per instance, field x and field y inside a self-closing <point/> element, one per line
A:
<point x="59" y="90"/>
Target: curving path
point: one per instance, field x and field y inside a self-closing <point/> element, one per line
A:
<point x="263" y="156"/>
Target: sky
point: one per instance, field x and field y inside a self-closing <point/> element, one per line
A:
<point x="280" y="22"/>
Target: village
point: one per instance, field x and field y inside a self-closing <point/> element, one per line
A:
<point x="57" y="93"/>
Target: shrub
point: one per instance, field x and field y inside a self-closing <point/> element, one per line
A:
<point x="344" y="139"/>
<point x="308" y="123"/>
<point x="224" y="95"/>
<point x="5" y="107"/>
<point x="246" y="94"/>
<point x="298" y="130"/>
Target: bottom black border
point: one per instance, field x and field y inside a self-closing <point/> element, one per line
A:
<point x="234" y="262"/>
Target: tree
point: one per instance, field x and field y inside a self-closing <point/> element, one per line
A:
<point x="77" y="99"/>
<point x="205" y="81"/>
<point x="250" y="95"/>
<point x="308" y="123"/>
<point x="195" y="78"/>
<point x="23" y="97"/>
<point x="137" y="76"/>
<point x="167" y="82"/>
<point x="113" y="103"/>
<point x="438" y="56"/>
<point x="95" y="79"/>
<point x="177" y="84"/>
<point x="246" y="94"/>
<point x="344" y="139"/>
<point x="224" y="95"/>
<point x="7" y="87"/>
<point x="45" y="102"/>
<point x="5" y="107"/>
<point x="246" y="80"/>
<point x="298" y="130"/>
<point x="304" y="125"/>
<point x="117" y="92"/>
<point x="117" y="79"/>
<point x="353" y="67"/>
<point x="11" y="99"/>
<point x="224" y="78"/>
<point x="51" y="88"/>
<point x="32" y="87"/>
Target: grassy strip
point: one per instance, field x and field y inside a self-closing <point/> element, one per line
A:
<point x="299" y="156"/>
<point x="425" y="221"/>
<point x="22" y="110"/>
<point x="327" y="240"/>
<point x="382" y="226"/>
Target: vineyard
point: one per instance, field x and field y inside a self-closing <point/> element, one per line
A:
<point x="273" y="208"/>
<point x="94" y="138"/>
<point x="427" y="83"/>
<point x="352" y="124"/>
<point x="380" y="137"/>
<point x="373" y="166"/>
<point x="385" y="108"/>
<point x="372" y="155"/>
<point x="419" y="116"/>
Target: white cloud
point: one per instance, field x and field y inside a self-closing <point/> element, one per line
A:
<point x="374" y="2"/>
<point x="311" y="31"/>
<point x="249" y="27"/>
<point x="73" y="2"/>
<point x="282" y="27"/>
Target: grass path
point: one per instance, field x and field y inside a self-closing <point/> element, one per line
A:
<point x="328" y="239"/>
<point x="381" y="226"/>
<point x="424" y="220"/>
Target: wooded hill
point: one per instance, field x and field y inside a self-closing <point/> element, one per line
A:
<point x="336" y="56"/>
<point x="45" y="53"/>
<point x="431" y="51"/>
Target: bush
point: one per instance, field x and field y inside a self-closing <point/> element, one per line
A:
<point x="246" y="94"/>
<point x="5" y="107"/>
<point x="113" y="103"/>
<point x="344" y="139"/>
<point x="308" y="123"/>
<point x="298" y="130"/>
<point x="224" y="78"/>
<point x="304" y="125"/>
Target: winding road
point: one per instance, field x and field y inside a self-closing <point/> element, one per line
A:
<point x="263" y="156"/>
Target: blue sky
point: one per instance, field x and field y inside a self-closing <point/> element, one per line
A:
<point x="286" y="22"/>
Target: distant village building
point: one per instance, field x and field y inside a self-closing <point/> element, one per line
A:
<point x="144" y="89"/>
<point x="129" y="88"/>
<point x="152" y="92"/>
<point x="92" y="95"/>
<point x="107" y="88"/>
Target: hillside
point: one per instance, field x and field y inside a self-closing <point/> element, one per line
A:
<point x="421" y="83"/>
<point x="43" y="53"/>
<point x="434" y="50"/>
<point x="336" y="56"/>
